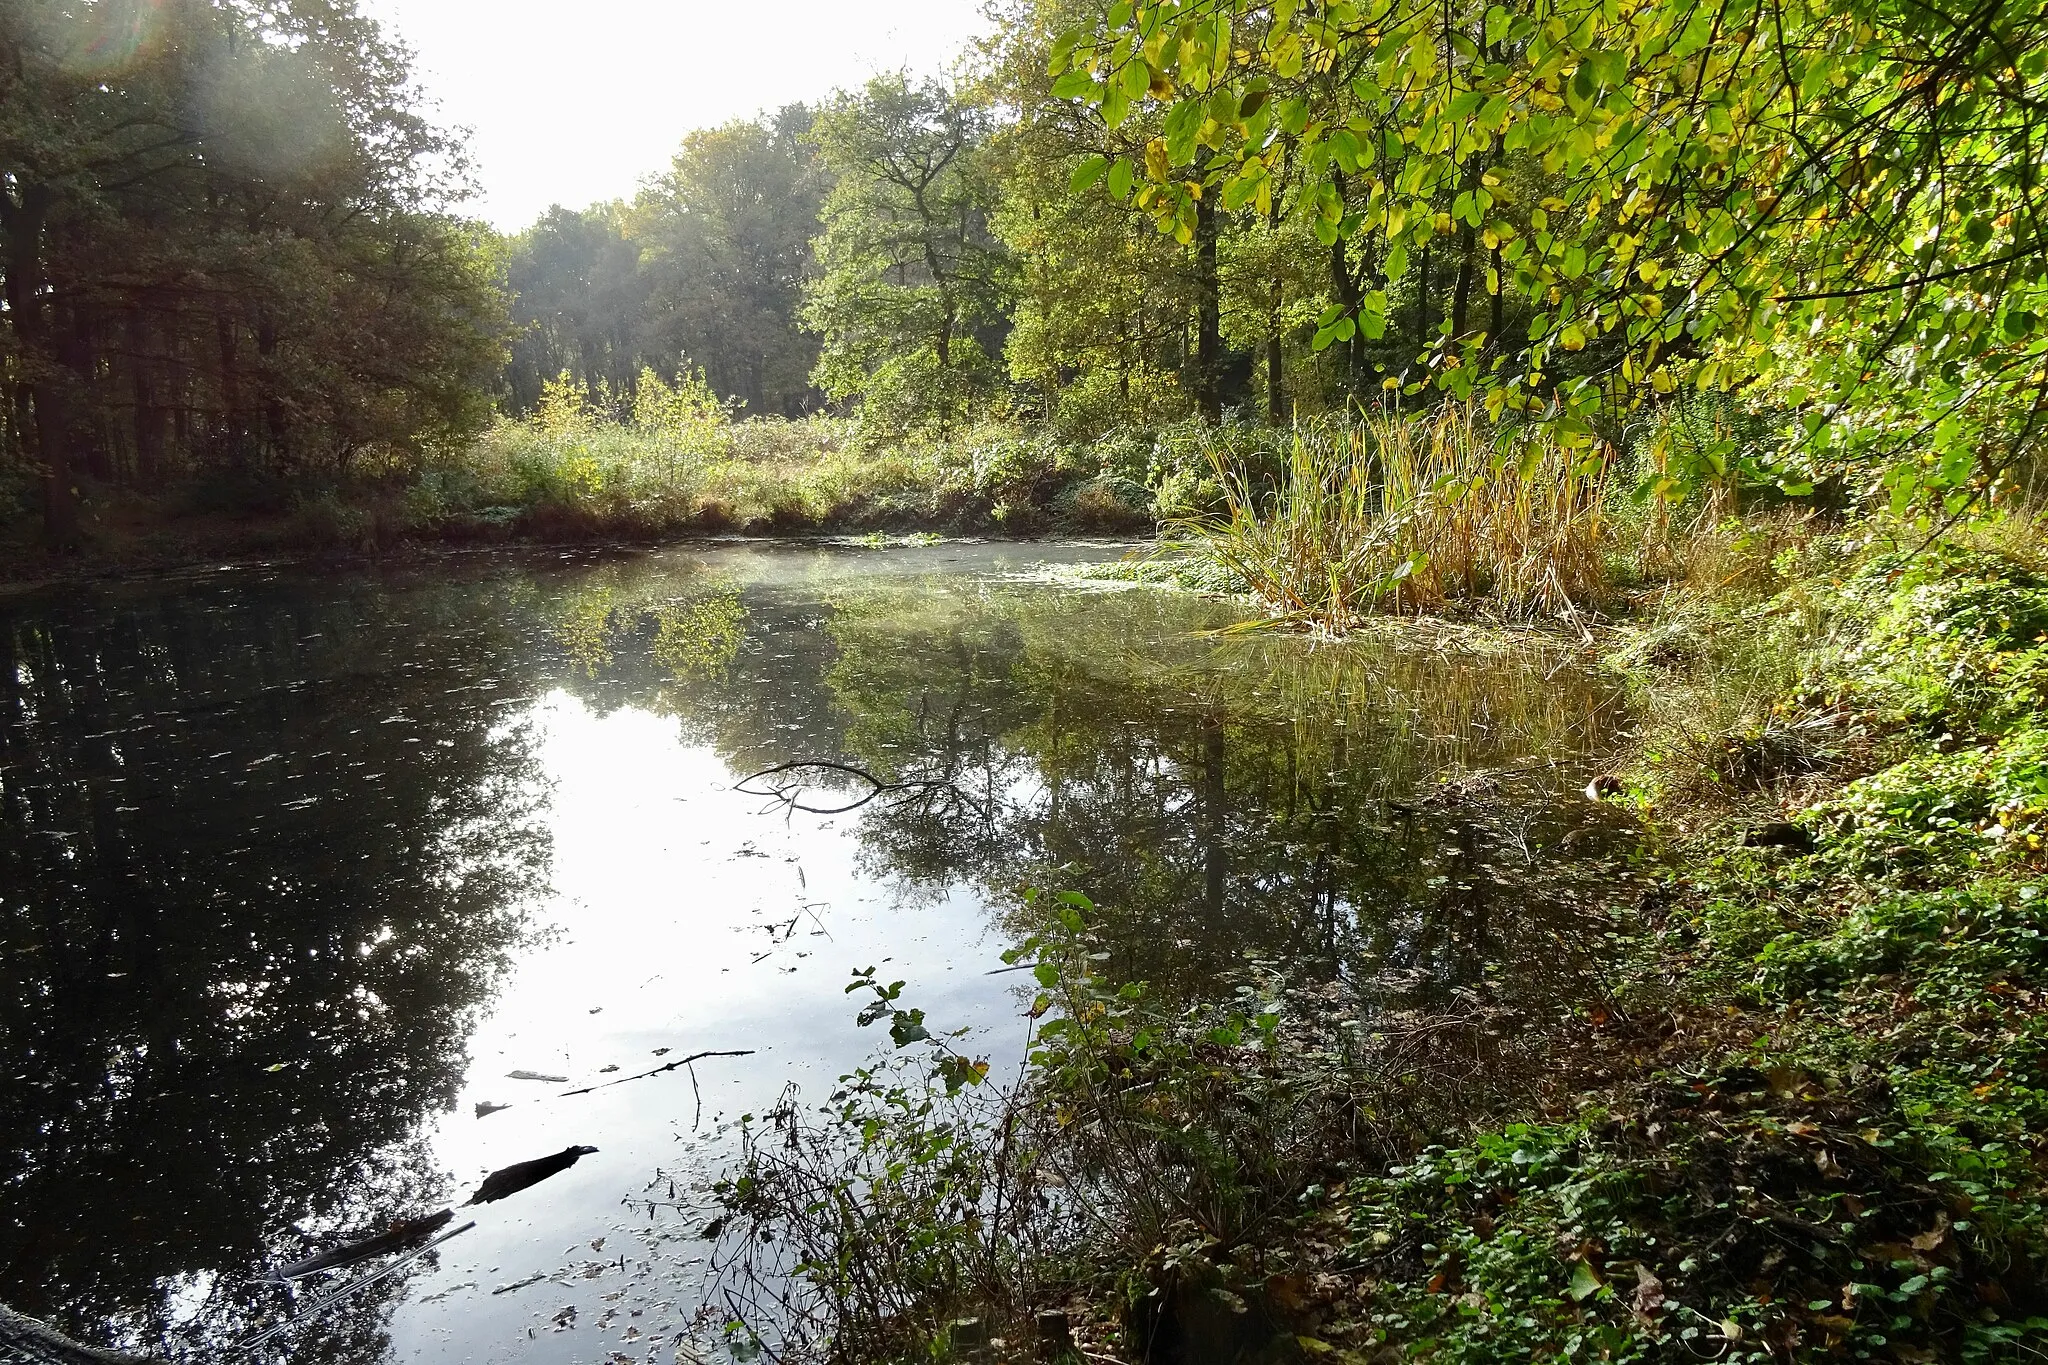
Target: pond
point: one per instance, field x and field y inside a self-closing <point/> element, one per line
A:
<point x="326" y="893"/>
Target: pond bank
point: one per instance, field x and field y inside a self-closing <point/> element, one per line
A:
<point x="1798" y="1117"/>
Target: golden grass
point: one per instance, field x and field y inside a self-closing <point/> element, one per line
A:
<point x="1412" y="515"/>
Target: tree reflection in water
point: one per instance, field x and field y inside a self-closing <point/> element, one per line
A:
<point x="1245" y="798"/>
<point x="265" y="848"/>
<point x="1223" y="797"/>
<point x="263" y="853"/>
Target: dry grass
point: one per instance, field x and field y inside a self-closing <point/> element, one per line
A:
<point x="1413" y="515"/>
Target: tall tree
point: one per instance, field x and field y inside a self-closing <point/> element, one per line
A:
<point x="225" y="240"/>
<point x="579" y="303"/>
<point x="727" y="235"/>
<point x="912" y="284"/>
<point x="1831" y="206"/>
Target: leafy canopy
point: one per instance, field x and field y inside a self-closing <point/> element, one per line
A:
<point x="1831" y="206"/>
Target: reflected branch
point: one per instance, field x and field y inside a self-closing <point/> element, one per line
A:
<point x="789" y="794"/>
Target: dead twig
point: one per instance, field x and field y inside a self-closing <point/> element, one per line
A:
<point x="671" y="1066"/>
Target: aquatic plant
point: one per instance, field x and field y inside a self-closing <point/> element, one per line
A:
<point x="1392" y="513"/>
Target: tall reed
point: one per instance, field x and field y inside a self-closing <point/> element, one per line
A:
<point x="1391" y="513"/>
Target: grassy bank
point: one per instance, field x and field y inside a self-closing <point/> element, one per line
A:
<point x="675" y="465"/>
<point x="1798" y="1116"/>
<point x="1324" y="523"/>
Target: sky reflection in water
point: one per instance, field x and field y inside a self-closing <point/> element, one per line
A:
<point x="299" y="867"/>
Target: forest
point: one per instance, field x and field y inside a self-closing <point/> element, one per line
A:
<point x="1481" y="382"/>
<point x="1108" y="263"/>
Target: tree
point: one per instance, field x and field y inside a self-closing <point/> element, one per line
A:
<point x="910" y="294"/>
<point x="225" y="240"/>
<point x="1830" y="207"/>
<point x="727" y="235"/>
<point x="580" y="304"/>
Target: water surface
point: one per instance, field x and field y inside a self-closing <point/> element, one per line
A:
<point x="297" y="867"/>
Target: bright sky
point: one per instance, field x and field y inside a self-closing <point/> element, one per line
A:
<point x="572" y="103"/>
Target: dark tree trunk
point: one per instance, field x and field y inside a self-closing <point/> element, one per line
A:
<point x="24" y="216"/>
<point x="1461" y="295"/>
<point x="1496" y="298"/>
<point x="230" y="386"/>
<point x="75" y="348"/>
<point x="1422" y="301"/>
<point x="1215" y="811"/>
<point x="30" y="1342"/>
<point x="1209" y="315"/>
<point x="275" y="433"/>
<point x="1276" y="372"/>
<point x="1346" y="285"/>
<point x="149" y="415"/>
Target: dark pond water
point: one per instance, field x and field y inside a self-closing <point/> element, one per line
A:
<point x="297" y="870"/>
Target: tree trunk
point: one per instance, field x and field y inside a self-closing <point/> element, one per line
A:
<point x="1498" y="294"/>
<point x="30" y="1342"/>
<point x="1276" y="373"/>
<point x="1209" y="316"/>
<point x="274" y="426"/>
<point x="230" y="386"/>
<point x="149" y="415"/>
<point x="1462" y="294"/>
<point x="1422" y="302"/>
<point x="23" y="217"/>
<point x="1215" y="811"/>
<point x="75" y="350"/>
<point x="1346" y="285"/>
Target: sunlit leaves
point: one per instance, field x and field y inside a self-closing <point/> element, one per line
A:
<point x="1705" y="169"/>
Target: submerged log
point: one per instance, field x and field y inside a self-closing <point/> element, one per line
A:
<point x="521" y="1175"/>
<point x="29" y="1342"/>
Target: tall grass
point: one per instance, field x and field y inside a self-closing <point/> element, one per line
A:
<point x="673" y="459"/>
<point x="1411" y="515"/>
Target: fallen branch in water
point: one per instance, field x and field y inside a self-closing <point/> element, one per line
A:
<point x="787" y="795"/>
<point x="29" y="1340"/>
<point x="671" y="1066"/>
<point x="319" y="1306"/>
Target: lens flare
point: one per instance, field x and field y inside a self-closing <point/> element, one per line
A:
<point x="114" y="35"/>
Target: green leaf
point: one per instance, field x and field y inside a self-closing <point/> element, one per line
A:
<point x="1182" y="127"/>
<point x="1073" y="85"/>
<point x="1063" y="50"/>
<point x="1120" y="177"/>
<point x="1585" y="1283"/>
<point x="1088" y="172"/>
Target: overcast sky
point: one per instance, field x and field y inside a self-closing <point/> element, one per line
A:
<point x="574" y="101"/>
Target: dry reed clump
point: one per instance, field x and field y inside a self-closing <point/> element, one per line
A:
<point x="1413" y="515"/>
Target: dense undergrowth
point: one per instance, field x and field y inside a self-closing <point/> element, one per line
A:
<point x="1799" y="1117"/>
<point x="1323" y="523"/>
